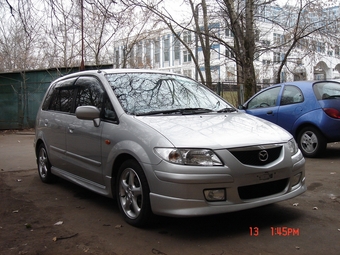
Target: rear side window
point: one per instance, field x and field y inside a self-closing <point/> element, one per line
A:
<point x="60" y="96"/>
<point x="291" y="95"/>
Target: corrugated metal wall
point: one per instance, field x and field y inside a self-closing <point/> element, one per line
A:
<point x="21" y="94"/>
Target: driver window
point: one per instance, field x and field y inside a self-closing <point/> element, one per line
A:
<point x="267" y="98"/>
<point x="90" y="92"/>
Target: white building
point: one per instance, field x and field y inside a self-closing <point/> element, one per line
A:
<point x="161" y="50"/>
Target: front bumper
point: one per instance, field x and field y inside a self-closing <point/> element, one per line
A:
<point x="179" y="191"/>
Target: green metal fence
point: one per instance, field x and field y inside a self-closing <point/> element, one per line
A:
<point x="20" y="97"/>
<point x="21" y="94"/>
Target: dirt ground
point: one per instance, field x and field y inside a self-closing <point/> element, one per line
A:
<point x="62" y="218"/>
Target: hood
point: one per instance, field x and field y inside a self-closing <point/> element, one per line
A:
<point x="216" y="130"/>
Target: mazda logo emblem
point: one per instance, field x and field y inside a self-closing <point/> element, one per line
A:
<point x="263" y="155"/>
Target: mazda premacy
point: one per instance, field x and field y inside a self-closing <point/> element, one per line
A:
<point x="164" y="144"/>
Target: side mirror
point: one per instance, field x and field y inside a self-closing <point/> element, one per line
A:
<point x="89" y="113"/>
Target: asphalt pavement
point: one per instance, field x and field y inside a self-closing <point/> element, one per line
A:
<point x="305" y="225"/>
<point x="16" y="150"/>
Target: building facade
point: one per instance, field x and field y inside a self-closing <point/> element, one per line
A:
<point x="314" y="57"/>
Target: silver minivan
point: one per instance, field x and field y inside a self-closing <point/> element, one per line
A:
<point x="161" y="143"/>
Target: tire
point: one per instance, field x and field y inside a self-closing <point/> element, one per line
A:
<point x="311" y="142"/>
<point x="133" y="194"/>
<point x="44" y="165"/>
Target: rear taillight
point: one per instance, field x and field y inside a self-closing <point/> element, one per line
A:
<point x="331" y="112"/>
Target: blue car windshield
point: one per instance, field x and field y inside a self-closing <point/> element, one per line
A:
<point x="152" y="93"/>
<point x="327" y="90"/>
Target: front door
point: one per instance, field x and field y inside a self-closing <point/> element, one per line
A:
<point x="83" y="138"/>
<point x="265" y="105"/>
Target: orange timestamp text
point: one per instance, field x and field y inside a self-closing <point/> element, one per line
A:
<point x="276" y="231"/>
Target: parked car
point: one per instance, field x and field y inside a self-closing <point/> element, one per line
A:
<point x="309" y="110"/>
<point x="162" y="143"/>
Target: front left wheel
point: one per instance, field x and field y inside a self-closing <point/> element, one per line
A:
<point x="133" y="194"/>
<point x="44" y="165"/>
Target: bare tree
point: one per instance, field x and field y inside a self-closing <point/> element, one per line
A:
<point x="18" y="39"/>
<point x="299" y="30"/>
<point x="135" y="26"/>
<point x="101" y="23"/>
<point x="62" y="31"/>
<point x="199" y="27"/>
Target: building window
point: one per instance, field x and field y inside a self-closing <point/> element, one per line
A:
<point x="277" y="38"/>
<point x="157" y="51"/>
<point x="177" y="48"/>
<point x="117" y="57"/>
<point x="187" y="37"/>
<point x="186" y="56"/>
<point x="148" y="53"/>
<point x="132" y="57"/>
<point x="229" y="54"/>
<point x="302" y="44"/>
<point x="265" y="43"/>
<point x="228" y="33"/>
<point x="257" y="35"/>
<point x="266" y="62"/>
<point x="139" y="54"/>
<point x="276" y="57"/>
<point x="337" y="50"/>
<point x="318" y="46"/>
<point x="166" y="48"/>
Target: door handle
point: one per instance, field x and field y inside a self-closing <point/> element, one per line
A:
<point x="71" y="129"/>
<point x="270" y="112"/>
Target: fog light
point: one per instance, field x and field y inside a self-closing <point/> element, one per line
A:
<point x="296" y="179"/>
<point x="215" y="195"/>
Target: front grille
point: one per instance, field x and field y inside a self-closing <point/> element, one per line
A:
<point x="249" y="156"/>
<point x="262" y="190"/>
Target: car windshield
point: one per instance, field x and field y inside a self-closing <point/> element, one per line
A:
<point x="150" y="93"/>
<point x="327" y="90"/>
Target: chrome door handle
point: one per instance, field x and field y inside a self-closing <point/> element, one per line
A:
<point x="71" y="129"/>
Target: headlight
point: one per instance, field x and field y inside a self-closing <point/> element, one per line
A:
<point x="293" y="147"/>
<point x="195" y="157"/>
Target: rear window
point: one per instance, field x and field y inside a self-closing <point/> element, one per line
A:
<point x="60" y="96"/>
<point x="326" y="90"/>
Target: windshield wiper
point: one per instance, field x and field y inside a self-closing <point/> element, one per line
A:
<point x="331" y="97"/>
<point x="227" y="110"/>
<point x="195" y="110"/>
<point x="183" y="111"/>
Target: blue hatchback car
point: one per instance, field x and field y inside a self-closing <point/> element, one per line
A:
<point x="309" y="110"/>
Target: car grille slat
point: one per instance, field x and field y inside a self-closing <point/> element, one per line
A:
<point x="251" y="157"/>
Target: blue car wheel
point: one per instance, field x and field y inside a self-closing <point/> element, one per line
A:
<point x="311" y="142"/>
